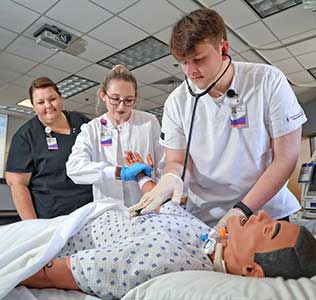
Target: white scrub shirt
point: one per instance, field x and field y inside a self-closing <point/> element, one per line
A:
<point x="89" y="157"/>
<point x="228" y="161"/>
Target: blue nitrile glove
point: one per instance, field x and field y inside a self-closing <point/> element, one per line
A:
<point x="130" y="173"/>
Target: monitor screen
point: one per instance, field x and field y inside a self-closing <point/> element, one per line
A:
<point x="312" y="185"/>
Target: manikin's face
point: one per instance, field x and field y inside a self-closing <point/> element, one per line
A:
<point x="259" y="234"/>
<point x="121" y="89"/>
<point x="206" y="64"/>
<point x="47" y="105"/>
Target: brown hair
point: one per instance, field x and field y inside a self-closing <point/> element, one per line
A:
<point x="200" y="25"/>
<point x="42" y="83"/>
<point x="119" y="72"/>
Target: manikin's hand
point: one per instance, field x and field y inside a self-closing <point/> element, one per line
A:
<point x="215" y="233"/>
<point x="169" y="186"/>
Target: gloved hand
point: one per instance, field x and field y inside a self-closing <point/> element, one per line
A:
<point x="222" y="222"/>
<point x="169" y="186"/>
<point x="130" y="173"/>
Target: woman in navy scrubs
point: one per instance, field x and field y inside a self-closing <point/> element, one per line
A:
<point x="36" y="171"/>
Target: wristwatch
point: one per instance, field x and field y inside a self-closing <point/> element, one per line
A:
<point x="118" y="172"/>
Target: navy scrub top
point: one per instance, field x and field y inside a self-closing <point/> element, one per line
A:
<point x="53" y="193"/>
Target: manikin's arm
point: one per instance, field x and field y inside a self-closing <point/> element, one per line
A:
<point x="170" y="185"/>
<point x="18" y="183"/>
<point x="57" y="274"/>
<point x="285" y="154"/>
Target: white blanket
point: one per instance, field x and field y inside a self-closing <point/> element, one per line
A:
<point x="29" y="245"/>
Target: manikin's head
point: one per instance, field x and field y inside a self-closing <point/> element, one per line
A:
<point x="262" y="247"/>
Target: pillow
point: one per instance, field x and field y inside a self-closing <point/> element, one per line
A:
<point x="206" y="285"/>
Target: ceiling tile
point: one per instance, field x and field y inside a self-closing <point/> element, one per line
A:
<point x="39" y="6"/>
<point x="303" y="47"/>
<point x="94" y="50"/>
<point x="237" y="57"/>
<point x="301" y="77"/>
<point x="27" y="48"/>
<point x="67" y="62"/>
<point x="185" y="5"/>
<point x="288" y="66"/>
<point x="22" y="17"/>
<point x="149" y="74"/>
<point x="115" y="6"/>
<point x="94" y="72"/>
<point x="275" y="55"/>
<point x="109" y="33"/>
<point x="252" y="56"/>
<point x="308" y="60"/>
<point x="147" y="92"/>
<point x="68" y="104"/>
<point x="257" y="34"/>
<point x="12" y="93"/>
<point x="145" y="105"/>
<point x="236" y="13"/>
<point x="84" y="98"/>
<point x="14" y="63"/>
<point x="236" y="43"/>
<point x="6" y="37"/>
<point x="160" y="14"/>
<point x="81" y="14"/>
<point x="90" y="109"/>
<point x="7" y="76"/>
<point x="160" y="100"/>
<point x="24" y="81"/>
<point x="168" y="64"/>
<point x="53" y="74"/>
<point x="164" y="35"/>
<point x="284" y="24"/>
<point x="93" y="91"/>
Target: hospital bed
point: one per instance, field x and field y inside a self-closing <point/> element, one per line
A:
<point x="31" y="251"/>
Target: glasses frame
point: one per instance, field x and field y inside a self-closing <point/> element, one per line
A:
<point x="121" y="99"/>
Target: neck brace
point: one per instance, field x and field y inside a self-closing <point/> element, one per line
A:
<point x="219" y="263"/>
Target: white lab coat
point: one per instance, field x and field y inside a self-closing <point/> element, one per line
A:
<point x="89" y="158"/>
<point x="228" y="161"/>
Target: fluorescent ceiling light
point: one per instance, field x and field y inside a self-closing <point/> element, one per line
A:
<point x="25" y="103"/>
<point x="73" y="85"/>
<point x="137" y="55"/>
<point x="265" y="8"/>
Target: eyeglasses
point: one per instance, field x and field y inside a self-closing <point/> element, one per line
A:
<point x="116" y="100"/>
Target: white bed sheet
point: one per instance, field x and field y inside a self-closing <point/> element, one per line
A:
<point x="27" y="246"/>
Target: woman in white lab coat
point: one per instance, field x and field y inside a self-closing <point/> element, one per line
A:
<point x="98" y="153"/>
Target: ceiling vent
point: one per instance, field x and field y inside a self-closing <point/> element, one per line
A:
<point x="168" y="80"/>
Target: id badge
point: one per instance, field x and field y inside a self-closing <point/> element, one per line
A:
<point x="106" y="139"/>
<point x="238" y="117"/>
<point x="52" y="143"/>
<point x="306" y="173"/>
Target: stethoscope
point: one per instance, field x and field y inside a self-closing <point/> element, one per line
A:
<point x="230" y="93"/>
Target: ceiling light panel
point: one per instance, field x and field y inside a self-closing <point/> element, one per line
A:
<point x="265" y="8"/>
<point x="74" y="85"/>
<point x="137" y="55"/>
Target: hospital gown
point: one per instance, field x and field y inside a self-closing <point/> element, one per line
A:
<point x="113" y="254"/>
